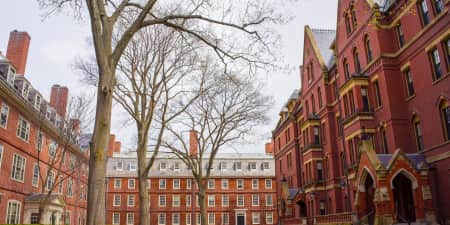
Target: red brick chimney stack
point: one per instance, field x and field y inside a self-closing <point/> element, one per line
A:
<point x="193" y="143"/>
<point x="17" y="52"/>
<point x="269" y="148"/>
<point x="111" y="145"/>
<point x="58" y="99"/>
<point x="117" y="146"/>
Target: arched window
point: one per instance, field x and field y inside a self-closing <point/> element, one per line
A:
<point x="346" y="70"/>
<point x="368" y="48"/>
<point x="445" y="115"/>
<point x="348" y="27"/>
<point x="356" y="60"/>
<point x="354" y="21"/>
<point x="418" y="133"/>
<point x="383" y="138"/>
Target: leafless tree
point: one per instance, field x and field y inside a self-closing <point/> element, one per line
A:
<point x="224" y="114"/>
<point x="54" y="169"/>
<point x="234" y="30"/>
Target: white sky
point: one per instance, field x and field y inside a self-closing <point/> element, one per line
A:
<point x="58" y="40"/>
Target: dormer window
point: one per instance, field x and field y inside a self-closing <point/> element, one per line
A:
<point x="238" y="166"/>
<point x="265" y="165"/>
<point x="25" y="90"/>
<point x="252" y="165"/>
<point x="37" y="102"/>
<point x="223" y="166"/>
<point x="11" y="76"/>
<point x="176" y="166"/>
<point x="162" y="166"/>
<point x="119" y="165"/>
<point x="132" y="166"/>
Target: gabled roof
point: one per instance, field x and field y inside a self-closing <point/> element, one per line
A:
<point x="383" y="4"/>
<point x="321" y="40"/>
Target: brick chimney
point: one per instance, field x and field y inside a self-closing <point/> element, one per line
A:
<point x="269" y="148"/>
<point x="111" y="145"/>
<point x="58" y="99"/>
<point x="17" y="52"/>
<point x="193" y="143"/>
<point x="117" y="146"/>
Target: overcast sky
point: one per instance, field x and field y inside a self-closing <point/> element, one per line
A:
<point x="58" y="40"/>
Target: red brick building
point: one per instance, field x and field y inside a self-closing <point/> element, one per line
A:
<point x="241" y="190"/>
<point x="367" y="137"/>
<point x="33" y="135"/>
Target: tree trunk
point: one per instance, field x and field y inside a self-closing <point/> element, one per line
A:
<point x="144" y="213"/>
<point x="99" y="145"/>
<point x="202" y="203"/>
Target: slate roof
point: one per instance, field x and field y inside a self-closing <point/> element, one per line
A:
<point x="293" y="96"/>
<point x="384" y="4"/>
<point x="36" y="197"/>
<point x="417" y="160"/>
<point x="84" y="141"/>
<point x="324" y="38"/>
<point x="293" y="192"/>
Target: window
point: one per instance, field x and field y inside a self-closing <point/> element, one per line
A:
<point x="117" y="183"/>
<point x="316" y="130"/>
<point x="162" y="201"/>
<point x="269" y="218"/>
<point x="225" y="184"/>
<point x="223" y="166"/>
<point x="37" y="102"/>
<point x="384" y="142"/>
<point x="162" y="183"/>
<point x="225" y="201"/>
<point x="131" y="184"/>
<point x="188" y="201"/>
<point x="438" y="6"/>
<point x="34" y="218"/>
<point x="319" y="96"/>
<point x="240" y="200"/>
<point x="255" y="218"/>
<point x="132" y="166"/>
<point x="39" y="140"/>
<point x="211" y="218"/>
<point x="52" y="148"/>
<point x="238" y="166"/>
<point x="447" y="50"/>
<point x="365" y="99"/>
<point x="25" y="90"/>
<point x="354" y="19"/>
<point x="269" y="200"/>
<point x="176" y="183"/>
<point x="23" y="129"/>
<point x="211" y="184"/>
<point x="445" y="111"/>
<point x="18" y="168"/>
<point x="348" y="27"/>
<point x="67" y="218"/>
<point x="252" y="165"/>
<point x="175" y="219"/>
<point x="117" y="200"/>
<point x="346" y="69"/>
<point x="69" y="187"/>
<point x="4" y="115"/>
<point x="266" y="165"/>
<point x="418" y="132"/>
<point x="356" y="60"/>
<point x="322" y="207"/>
<point x="240" y="184"/>
<point x="188" y="184"/>
<point x="198" y="218"/>
<point x="409" y="82"/>
<point x="35" y="180"/>
<point x="119" y="165"/>
<point x="436" y="62"/>
<point x="116" y="218"/>
<point x="130" y="200"/>
<point x="424" y="13"/>
<point x="188" y="219"/>
<point x="400" y="35"/>
<point x="268" y="184"/>
<point x="225" y="218"/>
<point x="13" y="212"/>
<point x="368" y="48"/>
<point x="211" y="200"/>
<point x="319" y="171"/>
<point x="11" y="76"/>
<point x="176" y="166"/>
<point x="1" y="155"/>
<point x="176" y="201"/>
<point x="162" y="219"/>
<point x="255" y="200"/>
<point x="289" y="160"/>
<point x="162" y="166"/>
<point x="313" y="104"/>
<point x="60" y="185"/>
<point x="255" y="183"/>
<point x="377" y="93"/>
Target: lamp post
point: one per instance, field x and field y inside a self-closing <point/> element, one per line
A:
<point x="284" y="193"/>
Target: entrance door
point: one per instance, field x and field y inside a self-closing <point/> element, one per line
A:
<point x="240" y="218"/>
<point x="404" y="200"/>
<point x="370" y="194"/>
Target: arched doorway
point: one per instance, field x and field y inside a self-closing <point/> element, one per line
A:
<point x="369" y="196"/>
<point x="303" y="209"/>
<point x="403" y="199"/>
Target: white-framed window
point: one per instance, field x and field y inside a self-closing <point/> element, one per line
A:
<point x="11" y="76"/>
<point x="268" y="183"/>
<point x="188" y="219"/>
<point x="176" y="183"/>
<point x="225" y="218"/>
<point x="266" y="166"/>
<point x="117" y="200"/>
<point x="255" y="199"/>
<point x="25" y="90"/>
<point x="13" y="212"/>
<point x="211" y="183"/>
<point x="39" y="140"/>
<point x="18" y="168"/>
<point x="119" y="165"/>
<point x="4" y="113"/>
<point x="198" y="218"/>
<point x="130" y="218"/>
<point x="240" y="184"/>
<point x="238" y="166"/>
<point x="161" y="219"/>
<point x="252" y="165"/>
<point x="176" y="166"/>
<point x="132" y="166"/>
<point x="69" y="187"/>
<point x="225" y="184"/>
<point x="256" y="218"/>
<point x="162" y="183"/>
<point x="175" y="219"/>
<point x="211" y="218"/>
<point x="50" y="180"/>
<point x="269" y="218"/>
<point x="52" y="147"/>
<point x="269" y="200"/>
<point x="67" y="218"/>
<point x="131" y="200"/>
<point x="255" y="183"/>
<point x="225" y="200"/>
<point x="131" y="184"/>
<point x="149" y="184"/>
<point x="23" y="129"/>
<point x="240" y="200"/>
<point x="116" y="218"/>
<point x="1" y="155"/>
<point x="162" y="166"/>
<point x="162" y="201"/>
<point x="211" y="200"/>
<point x="176" y="201"/>
<point x="37" y="102"/>
<point x="60" y="184"/>
<point x="223" y="166"/>
<point x="117" y="183"/>
<point x="188" y="183"/>
<point x="197" y="200"/>
<point x="188" y="200"/>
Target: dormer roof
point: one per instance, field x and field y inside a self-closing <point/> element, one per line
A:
<point x="321" y="40"/>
